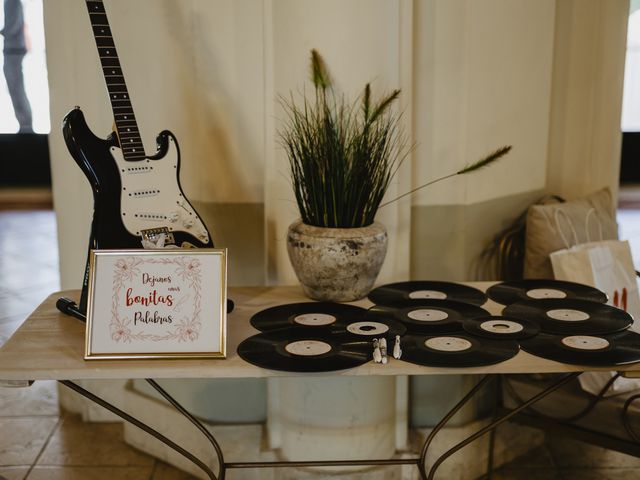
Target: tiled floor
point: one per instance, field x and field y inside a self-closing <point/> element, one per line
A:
<point x="38" y="441"/>
<point x="28" y="265"/>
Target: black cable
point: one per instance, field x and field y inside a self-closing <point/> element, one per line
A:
<point x="141" y="425"/>
<point x="625" y="418"/>
<point x="584" y="412"/>
<point x="537" y="397"/>
<point x="494" y="432"/>
<point x="195" y="422"/>
<point x="68" y="306"/>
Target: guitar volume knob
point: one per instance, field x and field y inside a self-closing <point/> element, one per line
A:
<point x="188" y="223"/>
<point x="173" y="217"/>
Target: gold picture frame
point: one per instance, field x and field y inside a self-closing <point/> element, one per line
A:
<point x="146" y="304"/>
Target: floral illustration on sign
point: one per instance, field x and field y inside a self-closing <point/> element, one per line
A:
<point x="128" y="271"/>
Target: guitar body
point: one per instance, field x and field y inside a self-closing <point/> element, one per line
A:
<point x="133" y="197"/>
<point x="136" y="197"/>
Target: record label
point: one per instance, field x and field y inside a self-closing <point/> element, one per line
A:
<point x="314" y="319"/>
<point x="307" y="348"/>
<point x="568" y="315"/>
<point x="585" y="342"/>
<point x="368" y="328"/>
<point x="427" y="315"/>
<point x="448" y="344"/>
<point x="538" y="293"/>
<point x="418" y="294"/>
<point x="501" y="326"/>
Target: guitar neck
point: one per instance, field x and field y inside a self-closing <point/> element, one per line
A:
<point x="125" y="119"/>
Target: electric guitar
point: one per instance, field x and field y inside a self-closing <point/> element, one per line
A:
<point x="136" y="196"/>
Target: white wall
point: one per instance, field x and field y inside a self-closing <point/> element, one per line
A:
<point x="362" y="41"/>
<point x="195" y="67"/>
<point x="542" y="75"/>
<point x="482" y="77"/>
<point x="588" y="74"/>
<point x="210" y="72"/>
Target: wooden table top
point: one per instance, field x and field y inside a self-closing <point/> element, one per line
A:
<point x="50" y="345"/>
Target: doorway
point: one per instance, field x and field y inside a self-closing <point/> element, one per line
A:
<point x="25" y="181"/>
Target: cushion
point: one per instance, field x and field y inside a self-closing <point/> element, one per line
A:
<point x="557" y="226"/>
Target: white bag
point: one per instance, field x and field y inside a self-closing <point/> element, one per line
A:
<point x="608" y="266"/>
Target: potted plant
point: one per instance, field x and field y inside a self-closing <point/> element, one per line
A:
<point x="342" y="157"/>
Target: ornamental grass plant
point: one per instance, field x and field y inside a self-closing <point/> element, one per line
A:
<point x="344" y="155"/>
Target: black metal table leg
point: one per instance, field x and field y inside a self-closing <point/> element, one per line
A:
<point x="423" y="455"/>
<point x="420" y="461"/>
<point x="143" y="426"/>
<point x="553" y="387"/>
<point x="196" y="422"/>
<point x="492" y="433"/>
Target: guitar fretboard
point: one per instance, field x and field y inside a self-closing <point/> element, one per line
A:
<point x="125" y="119"/>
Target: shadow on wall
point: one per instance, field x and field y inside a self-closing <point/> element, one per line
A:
<point x="462" y="233"/>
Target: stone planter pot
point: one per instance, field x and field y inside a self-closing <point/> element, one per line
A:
<point x="336" y="264"/>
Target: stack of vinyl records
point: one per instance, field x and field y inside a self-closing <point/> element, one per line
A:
<point x="576" y="325"/>
<point x="441" y="320"/>
<point x="314" y="337"/>
<point x="443" y="324"/>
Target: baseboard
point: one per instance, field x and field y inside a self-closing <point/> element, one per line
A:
<point x="26" y="198"/>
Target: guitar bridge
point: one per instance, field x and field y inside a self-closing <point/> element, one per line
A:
<point x="151" y="235"/>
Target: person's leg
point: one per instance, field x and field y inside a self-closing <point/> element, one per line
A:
<point x="15" y="83"/>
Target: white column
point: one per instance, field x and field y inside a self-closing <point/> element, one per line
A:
<point x="337" y="418"/>
<point x="482" y="76"/>
<point x="198" y="73"/>
<point x="586" y="102"/>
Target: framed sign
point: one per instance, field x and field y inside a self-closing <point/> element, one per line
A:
<point x="157" y="304"/>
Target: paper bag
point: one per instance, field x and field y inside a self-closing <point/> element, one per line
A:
<point x="608" y="266"/>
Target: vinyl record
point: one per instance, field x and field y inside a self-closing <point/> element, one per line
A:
<point x="596" y="350"/>
<point x="456" y="350"/>
<point x="501" y="327"/>
<point x="571" y="317"/>
<point x="368" y="329"/>
<point x="394" y="293"/>
<point x="308" y="314"/>
<point x="538" y="289"/>
<point x="301" y="349"/>
<point x="428" y="317"/>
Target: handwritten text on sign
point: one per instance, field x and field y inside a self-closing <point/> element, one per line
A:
<point x="157" y="306"/>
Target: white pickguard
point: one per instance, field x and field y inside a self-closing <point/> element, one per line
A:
<point x="150" y="197"/>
